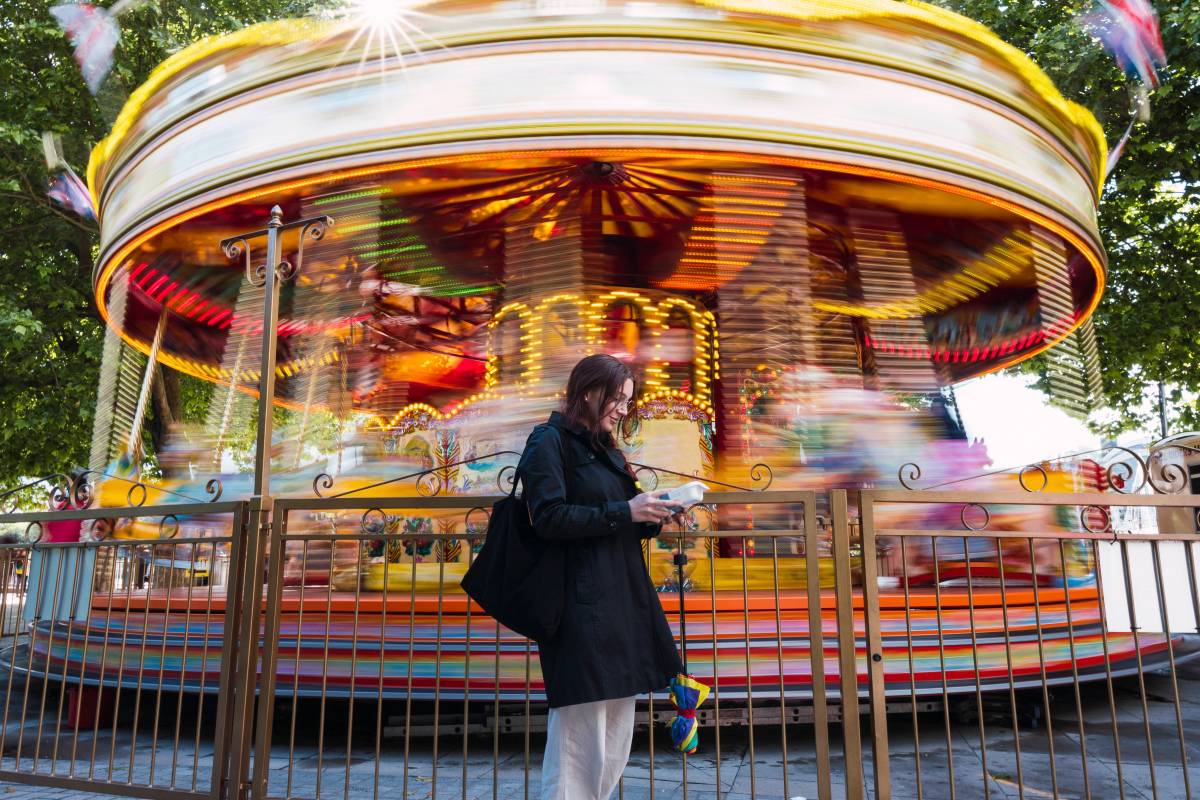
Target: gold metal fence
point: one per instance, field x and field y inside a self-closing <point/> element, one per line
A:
<point x="463" y="691"/>
<point x="99" y="635"/>
<point x="193" y="650"/>
<point x="1040" y="695"/>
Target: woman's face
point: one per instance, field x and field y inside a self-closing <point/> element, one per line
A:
<point x="616" y="408"/>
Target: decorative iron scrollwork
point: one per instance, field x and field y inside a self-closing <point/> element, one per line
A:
<point x="651" y="472"/>
<point x="1120" y="475"/>
<point x="233" y="248"/>
<point x="987" y="517"/>
<point x="139" y="491"/>
<point x="315" y="230"/>
<point x="60" y="491"/>
<point x="102" y="528"/>
<point x="214" y="488"/>
<point x="430" y="482"/>
<point x="322" y="481"/>
<point x="83" y="491"/>
<point x="1038" y="468"/>
<point x="1087" y="526"/>
<point x="909" y="472"/>
<point x="41" y="531"/>
<point x="1174" y="475"/>
<point x="168" y="527"/>
<point x="374" y="522"/>
<point x="758" y="473"/>
<point x="506" y="478"/>
<point x="487" y="517"/>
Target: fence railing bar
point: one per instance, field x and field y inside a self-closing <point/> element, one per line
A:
<point x="76" y="589"/>
<point x="238" y="664"/>
<point x="1008" y="657"/>
<point x="749" y="672"/>
<point x="141" y="670"/>
<point x="847" y="657"/>
<point x="1041" y="642"/>
<point x="383" y="627"/>
<point x="187" y="640"/>
<point x="1087" y="785"/>
<point x="976" y="668"/>
<point x="162" y="661"/>
<point x="466" y="739"/>
<point x="60" y="565"/>
<point x="130" y="563"/>
<point x="912" y="675"/>
<point x="874" y="651"/>
<point x="783" y="744"/>
<point x="92" y="787"/>
<point x="528" y="656"/>
<point x="941" y="640"/>
<point x="325" y="677"/>
<point x="716" y="672"/>
<point x="204" y="653"/>
<point x="291" y="767"/>
<point x="412" y="610"/>
<point x="437" y="673"/>
<point x="1108" y="674"/>
<point x="10" y="577"/>
<point x="1166" y="626"/>
<point x="265" y="723"/>
<point x="117" y="512"/>
<point x="358" y="574"/>
<point x="1141" y="675"/>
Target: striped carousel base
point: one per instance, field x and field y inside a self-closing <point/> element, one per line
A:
<point x="337" y="644"/>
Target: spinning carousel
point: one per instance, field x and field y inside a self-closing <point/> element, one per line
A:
<point x="773" y="210"/>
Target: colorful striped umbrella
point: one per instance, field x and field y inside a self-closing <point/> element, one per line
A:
<point x="687" y="694"/>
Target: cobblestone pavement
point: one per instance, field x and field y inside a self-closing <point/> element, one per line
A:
<point x="329" y="767"/>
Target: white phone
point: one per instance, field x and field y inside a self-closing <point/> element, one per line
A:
<point x="685" y="496"/>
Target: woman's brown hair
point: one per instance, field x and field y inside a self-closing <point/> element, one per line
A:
<point x="602" y="376"/>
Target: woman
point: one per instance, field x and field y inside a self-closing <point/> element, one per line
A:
<point x="613" y="642"/>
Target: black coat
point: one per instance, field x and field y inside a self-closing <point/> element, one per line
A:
<point x="613" y="640"/>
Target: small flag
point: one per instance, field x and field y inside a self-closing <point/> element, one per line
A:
<point x="69" y="192"/>
<point x="1129" y="30"/>
<point x="1114" y="155"/>
<point x="94" y="33"/>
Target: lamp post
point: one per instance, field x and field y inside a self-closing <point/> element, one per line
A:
<point x="269" y="274"/>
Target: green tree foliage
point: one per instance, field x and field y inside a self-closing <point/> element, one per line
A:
<point x="1148" y="325"/>
<point x="50" y="332"/>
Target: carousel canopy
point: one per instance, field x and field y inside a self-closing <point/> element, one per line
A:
<point x="918" y="190"/>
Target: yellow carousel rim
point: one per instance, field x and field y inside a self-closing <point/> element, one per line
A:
<point x="291" y="31"/>
<point x="204" y="372"/>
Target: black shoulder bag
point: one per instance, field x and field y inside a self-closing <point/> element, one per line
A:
<point x="517" y="577"/>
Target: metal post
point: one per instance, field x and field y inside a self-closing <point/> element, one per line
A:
<point x="272" y="272"/>
<point x="266" y="377"/>
<point x="1162" y="408"/>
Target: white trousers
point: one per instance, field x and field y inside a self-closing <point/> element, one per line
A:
<point x="587" y="746"/>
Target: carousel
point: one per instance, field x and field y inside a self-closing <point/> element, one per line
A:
<point x="787" y="216"/>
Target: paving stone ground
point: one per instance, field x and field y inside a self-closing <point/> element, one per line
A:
<point x="954" y="759"/>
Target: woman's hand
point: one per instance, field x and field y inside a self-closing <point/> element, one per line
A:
<point x="648" y="508"/>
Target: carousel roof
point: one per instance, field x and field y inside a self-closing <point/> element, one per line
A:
<point x="675" y="143"/>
